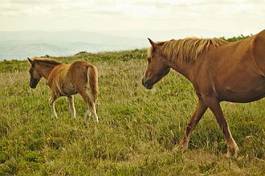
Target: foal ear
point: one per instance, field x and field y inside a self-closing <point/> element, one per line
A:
<point x="30" y="61"/>
<point x="152" y="43"/>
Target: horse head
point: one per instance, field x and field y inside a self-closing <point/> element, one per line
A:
<point x="157" y="68"/>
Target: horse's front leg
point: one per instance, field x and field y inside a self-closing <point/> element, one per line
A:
<point x="197" y="115"/>
<point x="71" y="106"/>
<point x="52" y="100"/>
<point x="214" y="105"/>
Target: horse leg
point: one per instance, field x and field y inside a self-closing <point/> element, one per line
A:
<point x="91" y="107"/>
<point x="197" y="115"/>
<point x="52" y="103"/>
<point x="86" y="99"/>
<point x="87" y="113"/>
<point x="94" y="111"/>
<point x="232" y="148"/>
<point x="71" y="106"/>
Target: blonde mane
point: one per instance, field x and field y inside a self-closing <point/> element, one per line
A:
<point x="189" y="49"/>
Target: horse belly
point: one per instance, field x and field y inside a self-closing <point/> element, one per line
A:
<point x="243" y="93"/>
<point x="69" y="89"/>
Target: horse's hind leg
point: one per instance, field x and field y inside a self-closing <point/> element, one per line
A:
<point x="218" y="113"/>
<point x="91" y="106"/>
<point x="71" y="106"/>
<point x="94" y="111"/>
<point x="87" y="101"/>
<point x="87" y="113"/>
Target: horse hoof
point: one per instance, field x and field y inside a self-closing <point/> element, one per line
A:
<point x="183" y="145"/>
<point x="232" y="152"/>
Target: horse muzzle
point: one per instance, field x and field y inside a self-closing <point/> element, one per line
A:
<point x="32" y="86"/>
<point x="33" y="83"/>
<point x="147" y="83"/>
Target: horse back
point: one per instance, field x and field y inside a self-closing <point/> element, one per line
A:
<point x="78" y="71"/>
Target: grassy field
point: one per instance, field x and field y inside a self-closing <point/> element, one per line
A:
<point x="137" y="132"/>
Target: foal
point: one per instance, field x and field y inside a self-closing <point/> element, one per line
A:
<point x="67" y="80"/>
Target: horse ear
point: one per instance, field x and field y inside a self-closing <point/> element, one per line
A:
<point x="30" y="61"/>
<point x="152" y="43"/>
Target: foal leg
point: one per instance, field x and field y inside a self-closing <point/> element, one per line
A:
<point x="91" y="107"/>
<point x="232" y="148"/>
<point x="86" y="99"/>
<point x="94" y="111"/>
<point x="87" y="113"/>
<point x="71" y="106"/>
<point x="52" y="103"/>
<point x="197" y="115"/>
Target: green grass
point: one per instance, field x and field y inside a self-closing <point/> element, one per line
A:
<point x="137" y="132"/>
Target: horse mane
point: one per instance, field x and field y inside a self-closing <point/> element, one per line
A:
<point x="189" y="49"/>
<point x="46" y="61"/>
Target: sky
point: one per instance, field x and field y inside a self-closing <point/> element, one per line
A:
<point x="135" y="17"/>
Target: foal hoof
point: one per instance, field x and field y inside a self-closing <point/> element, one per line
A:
<point x="232" y="152"/>
<point x="183" y="145"/>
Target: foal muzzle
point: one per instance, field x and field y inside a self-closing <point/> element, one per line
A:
<point x="147" y="83"/>
<point x="33" y="83"/>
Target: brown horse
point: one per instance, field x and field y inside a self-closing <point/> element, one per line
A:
<point x="67" y="80"/>
<point x="218" y="70"/>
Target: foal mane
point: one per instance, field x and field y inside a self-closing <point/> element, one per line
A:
<point x="45" y="61"/>
<point x="189" y="49"/>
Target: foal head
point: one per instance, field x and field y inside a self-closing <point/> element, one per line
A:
<point x="157" y="67"/>
<point x="35" y="76"/>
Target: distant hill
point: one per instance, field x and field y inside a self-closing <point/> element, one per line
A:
<point x="19" y="45"/>
<point x="27" y="44"/>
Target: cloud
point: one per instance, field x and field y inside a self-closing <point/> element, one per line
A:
<point x="55" y="7"/>
<point x="134" y="8"/>
<point x="134" y="15"/>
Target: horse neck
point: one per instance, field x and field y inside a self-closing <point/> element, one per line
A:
<point x="181" y="67"/>
<point x="45" y="70"/>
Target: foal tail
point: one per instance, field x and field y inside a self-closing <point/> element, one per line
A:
<point x="92" y="77"/>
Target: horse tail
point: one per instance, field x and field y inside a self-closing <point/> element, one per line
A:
<point x="92" y="77"/>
